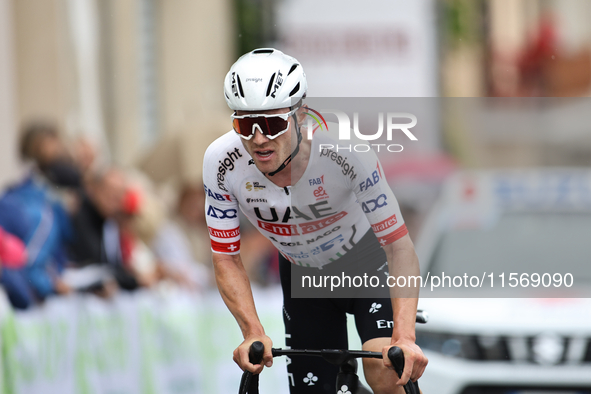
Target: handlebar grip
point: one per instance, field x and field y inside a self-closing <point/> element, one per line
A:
<point x="249" y="384"/>
<point x="396" y="356"/>
<point x="255" y="354"/>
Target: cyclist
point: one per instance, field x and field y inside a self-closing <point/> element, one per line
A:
<point x="299" y="193"/>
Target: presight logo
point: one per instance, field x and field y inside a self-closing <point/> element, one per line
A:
<point x="226" y="166"/>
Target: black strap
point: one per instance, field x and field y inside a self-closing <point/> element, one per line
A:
<point x="295" y="151"/>
<point x="249" y="383"/>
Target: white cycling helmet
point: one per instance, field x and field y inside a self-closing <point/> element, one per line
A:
<point x="264" y="79"/>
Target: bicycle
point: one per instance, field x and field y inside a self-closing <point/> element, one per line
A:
<point x="347" y="380"/>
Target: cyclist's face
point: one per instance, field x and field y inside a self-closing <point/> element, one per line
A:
<point x="269" y="154"/>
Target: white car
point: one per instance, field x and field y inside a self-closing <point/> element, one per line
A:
<point x="533" y="335"/>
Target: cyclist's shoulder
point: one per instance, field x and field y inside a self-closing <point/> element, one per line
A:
<point x="224" y="142"/>
<point x="228" y="146"/>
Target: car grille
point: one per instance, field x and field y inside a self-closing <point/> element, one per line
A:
<point x="525" y="390"/>
<point x="550" y="349"/>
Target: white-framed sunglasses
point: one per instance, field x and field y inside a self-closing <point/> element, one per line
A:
<point x="271" y="126"/>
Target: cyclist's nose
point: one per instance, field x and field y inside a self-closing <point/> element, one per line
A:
<point x="258" y="138"/>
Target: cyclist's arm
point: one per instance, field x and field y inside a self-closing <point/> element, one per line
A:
<point x="403" y="261"/>
<point x="235" y="290"/>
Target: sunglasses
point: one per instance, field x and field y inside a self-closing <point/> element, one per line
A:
<point x="271" y="126"/>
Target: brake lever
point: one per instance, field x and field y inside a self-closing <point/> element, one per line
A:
<point x="396" y="356"/>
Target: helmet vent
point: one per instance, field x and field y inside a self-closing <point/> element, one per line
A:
<point x="292" y="69"/>
<point x="262" y="51"/>
<point x="240" y="85"/>
<point x="295" y="90"/>
<point x="270" y="84"/>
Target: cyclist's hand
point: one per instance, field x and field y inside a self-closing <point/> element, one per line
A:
<point x="415" y="361"/>
<point x="241" y="354"/>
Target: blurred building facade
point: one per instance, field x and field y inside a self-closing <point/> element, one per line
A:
<point x="517" y="48"/>
<point x="127" y="74"/>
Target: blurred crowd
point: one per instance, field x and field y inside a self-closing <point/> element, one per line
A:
<point x="74" y="224"/>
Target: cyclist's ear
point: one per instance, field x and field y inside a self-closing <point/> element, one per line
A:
<point x="301" y="114"/>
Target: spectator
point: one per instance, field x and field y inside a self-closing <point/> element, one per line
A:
<point x="28" y="211"/>
<point x="182" y="242"/>
<point x="136" y="224"/>
<point x="97" y="232"/>
<point x="13" y="257"/>
<point x="41" y="144"/>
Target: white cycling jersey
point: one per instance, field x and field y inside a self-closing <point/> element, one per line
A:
<point x="340" y="196"/>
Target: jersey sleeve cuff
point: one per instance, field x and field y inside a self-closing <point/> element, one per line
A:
<point x="393" y="236"/>
<point x="225" y="247"/>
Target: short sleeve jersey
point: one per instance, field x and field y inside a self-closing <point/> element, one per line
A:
<point x="340" y="196"/>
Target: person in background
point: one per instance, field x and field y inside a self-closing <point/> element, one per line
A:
<point x="34" y="211"/>
<point x="13" y="257"/>
<point x="97" y="233"/>
<point x="29" y="211"/>
<point x="42" y="145"/>
<point x="182" y="243"/>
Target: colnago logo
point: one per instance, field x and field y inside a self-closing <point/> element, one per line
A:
<point x="341" y="161"/>
<point x="278" y="83"/>
<point x="384" y="224"/>
<point x="214" y="232"/>
<point x="326" y="233"/>
<point x="391" y="126"/>
<point x="227" y="165"/>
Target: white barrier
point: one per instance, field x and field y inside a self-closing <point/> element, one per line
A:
<point x="138" y="343"/>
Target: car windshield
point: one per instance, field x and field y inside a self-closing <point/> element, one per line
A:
<point x="522" y="242"/>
